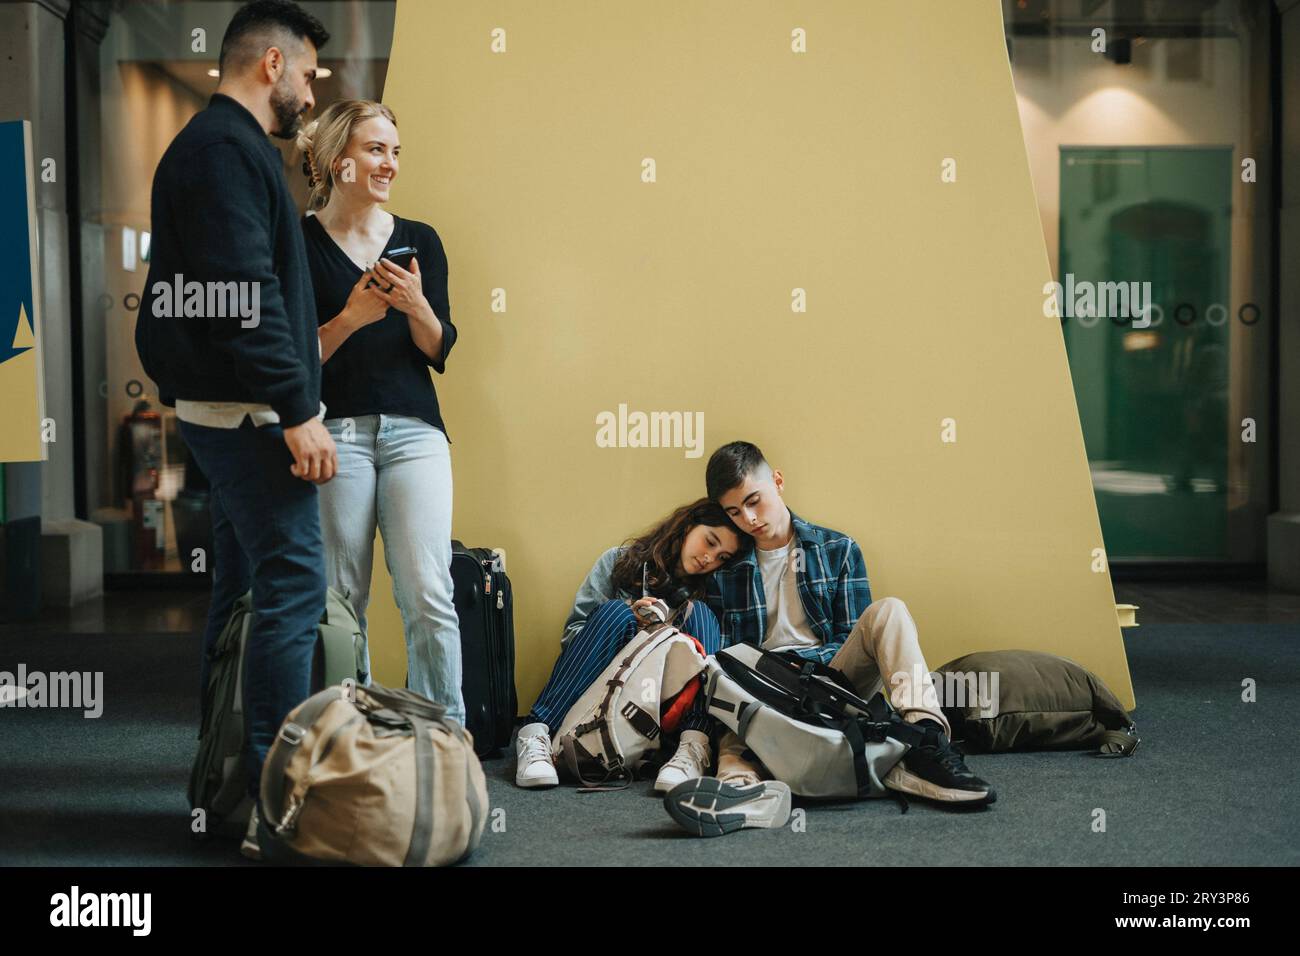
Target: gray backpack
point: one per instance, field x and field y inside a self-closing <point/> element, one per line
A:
<point x="805" y="723"/>
<point x="219" y="778"/>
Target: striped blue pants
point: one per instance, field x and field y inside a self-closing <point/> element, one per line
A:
<point x="589" y="652"/>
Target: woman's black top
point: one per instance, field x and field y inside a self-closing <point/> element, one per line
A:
<point x="379" y="369"/>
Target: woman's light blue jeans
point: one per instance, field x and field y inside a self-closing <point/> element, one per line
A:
<point x="395" y="473"/>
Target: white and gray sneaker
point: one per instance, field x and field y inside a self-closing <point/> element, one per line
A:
<point x="707" y="807"/>
<point x="689" y="763"/>
<point x="534" y="765"/>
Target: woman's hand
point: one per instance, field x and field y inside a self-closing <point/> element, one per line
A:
<point x="407" y="296"/>
<point x="407" y="291"/>
<point x="640" y="604"/>
<point x="363" y="308"/>
<point x="364" y="305"/>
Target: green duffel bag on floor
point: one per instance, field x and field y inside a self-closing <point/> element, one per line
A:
<point x="219" y="780"/>
<point x="1044" y="702"/>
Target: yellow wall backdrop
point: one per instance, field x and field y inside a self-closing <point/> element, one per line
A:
<point x="524" y="132"/>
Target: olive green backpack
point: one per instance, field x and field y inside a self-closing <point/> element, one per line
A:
<point x="1045" y="702"/>
<point x="219" y="778"/>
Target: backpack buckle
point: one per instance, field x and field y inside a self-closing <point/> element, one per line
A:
<point x="641" y="722"/>
<point x="876" y="732"/>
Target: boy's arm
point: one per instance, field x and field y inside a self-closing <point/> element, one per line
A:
<point x="851" y="598"/>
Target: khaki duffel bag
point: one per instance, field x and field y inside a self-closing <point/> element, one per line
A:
<point x="371" y="776"/>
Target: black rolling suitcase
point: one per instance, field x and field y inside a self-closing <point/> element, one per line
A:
<point x="485" y="606"/>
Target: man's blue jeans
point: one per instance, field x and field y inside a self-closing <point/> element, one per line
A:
<point x="265" y="534"/>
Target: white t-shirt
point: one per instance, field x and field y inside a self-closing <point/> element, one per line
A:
<point x="787" y="624"/>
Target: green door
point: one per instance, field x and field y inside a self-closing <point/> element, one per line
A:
<point x="1153" y="401"/>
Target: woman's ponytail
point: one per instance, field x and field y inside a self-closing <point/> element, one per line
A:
<point x="319" y="194"/>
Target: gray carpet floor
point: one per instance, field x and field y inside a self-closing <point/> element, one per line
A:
<point x="1213" y="782"/>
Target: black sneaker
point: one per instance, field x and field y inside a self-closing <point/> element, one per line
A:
<point x="708" y="807"/>
<point x="934" y="770"/>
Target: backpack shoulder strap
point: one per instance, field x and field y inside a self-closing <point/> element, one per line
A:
<point x="291" y="735"/>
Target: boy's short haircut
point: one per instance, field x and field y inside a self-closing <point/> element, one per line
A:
<point x="730" y="465"/>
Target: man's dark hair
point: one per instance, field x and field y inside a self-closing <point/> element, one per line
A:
<point x="265" y="23"/>
<point x="730" y="465"/>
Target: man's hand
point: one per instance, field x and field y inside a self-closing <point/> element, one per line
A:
<point x="315" y="458"/>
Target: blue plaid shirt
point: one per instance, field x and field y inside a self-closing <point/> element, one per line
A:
<point x="832" y="581"/>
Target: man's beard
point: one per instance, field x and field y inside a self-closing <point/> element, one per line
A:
<point x="287" y="109"/>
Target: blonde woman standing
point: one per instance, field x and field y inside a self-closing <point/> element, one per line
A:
<point x="383" y="324"/>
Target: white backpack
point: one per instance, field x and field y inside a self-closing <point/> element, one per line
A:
<point x="617" y="723"/>
<point x="804" y="724"/>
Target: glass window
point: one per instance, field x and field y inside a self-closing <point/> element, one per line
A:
<point x="1147" y="128"/>
<point x="157" y="68"/>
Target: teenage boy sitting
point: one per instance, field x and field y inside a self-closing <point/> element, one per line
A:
<point x="802" y="589"/>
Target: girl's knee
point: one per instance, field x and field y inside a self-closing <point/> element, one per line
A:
<point x="612" y="622"/>
<point x="613" y="610"/>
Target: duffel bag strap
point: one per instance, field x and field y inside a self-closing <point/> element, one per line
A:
<point x="291" y="736"/>
<point x="405" y="702"/>
<point x="417" y="853"/>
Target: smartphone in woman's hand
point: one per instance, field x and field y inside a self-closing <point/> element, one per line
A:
<point x="400" y="256"/>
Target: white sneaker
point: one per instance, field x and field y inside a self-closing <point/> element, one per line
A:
<point x="690" y="761"/>
<point x="534" y="765"/>
<point x="249" y="847"/>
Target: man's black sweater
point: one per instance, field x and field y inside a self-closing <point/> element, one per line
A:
<point x="222" y="212"/>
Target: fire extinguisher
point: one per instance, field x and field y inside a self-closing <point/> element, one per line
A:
<point x="141" y="446"/>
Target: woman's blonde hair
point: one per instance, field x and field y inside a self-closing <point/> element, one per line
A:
<point x="325" y="138"/>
